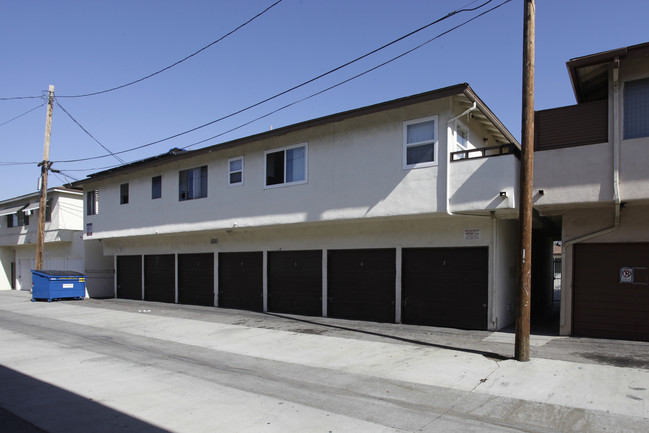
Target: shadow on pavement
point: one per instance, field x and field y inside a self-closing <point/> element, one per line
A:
<point x="29" y="405"/>
<point x="486" y="354"/>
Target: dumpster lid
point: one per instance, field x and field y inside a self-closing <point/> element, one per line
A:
<point x="54" y="273"/>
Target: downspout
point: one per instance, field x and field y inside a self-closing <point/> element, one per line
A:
<point x="448" y="155"/>
<point x="616" y="175"/>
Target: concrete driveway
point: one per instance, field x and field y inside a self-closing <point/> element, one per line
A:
<point x="116" y="365"/>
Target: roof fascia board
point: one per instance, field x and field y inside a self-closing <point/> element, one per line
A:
<point x="469" y="93"/>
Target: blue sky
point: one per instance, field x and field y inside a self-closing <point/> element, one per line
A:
<point x="86" y="46"/>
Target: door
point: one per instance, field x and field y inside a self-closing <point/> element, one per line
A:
<point x="445" y="287"/>
<point x="611" y="291"/>
<point x="241" y="280"/>
<point x="295" y="282"/>
<point x="129" y="277"/>
<point x="196" y="279"/>
<point x="160" y="278"/>
<point x="361" y="284"/>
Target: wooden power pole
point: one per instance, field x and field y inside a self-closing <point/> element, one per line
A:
<point x="45" y="168"/>
<point x="522" y="341"/>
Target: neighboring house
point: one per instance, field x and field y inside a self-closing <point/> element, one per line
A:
<point x="63" y="245"/>
<point x="592" y="179"/>
<point x="403" y="211"/>
<point x="64" y="248"/>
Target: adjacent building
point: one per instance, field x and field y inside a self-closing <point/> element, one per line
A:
<point x="63" y="247"/>
<point x="592" y="180"/>
<point x="403" y="211"/>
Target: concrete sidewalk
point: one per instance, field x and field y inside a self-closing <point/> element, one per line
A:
<point x="547" y="389"/>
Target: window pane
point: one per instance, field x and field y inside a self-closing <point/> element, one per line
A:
<point x="123" y="193"/>
<point x="236" y="165"/>
<point x="235" y="178"/>
<point x="636" y="108"/>
<point x="296" y="164"/>
<point x="419" y="154"/>
<point x="418" y="132"/>
<point x="275" y="168"/>
<point x="156" y="187"/>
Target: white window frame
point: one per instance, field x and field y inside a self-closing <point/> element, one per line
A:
<point x="284" y="149"/>
<point x="434" y="142"/>
<point x="231" y="172"/>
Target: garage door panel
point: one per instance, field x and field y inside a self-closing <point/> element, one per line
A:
<point x="129" y="277"/>
<point x="241" y="280"/>
<point x="603" y="306"/>
<point x="295" y="282"/>
<point x="160" y="278"/>
<point x="361" y="284"/>
<point x="445" y="287"/>
<point x="196" y="279"/>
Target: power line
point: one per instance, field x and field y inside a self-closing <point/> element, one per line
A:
<point x="310" y="81"/>
<point x="178" y="62"/>
<point x="292" y="88"/>
<point x="89" y="134"/>
<point x="351" y="78"/>
<point x="21" y="115"/>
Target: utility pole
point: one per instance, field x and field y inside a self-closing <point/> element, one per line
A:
<point x="45" y="168"/>
<point x="522" y="340"/>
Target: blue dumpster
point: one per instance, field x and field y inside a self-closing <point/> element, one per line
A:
<point x="54" y="285"/>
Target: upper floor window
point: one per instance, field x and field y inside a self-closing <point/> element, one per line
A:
<point x="286" y="166"/>
<point x="17" y="219"/>
<point x="123" y="193"/>
<point x="156" y="187"/>
<point x="420" y="142"/>
<point x="636" y="108"/>
<point x="92" y="202"/>
<point x="235" y="171"/>
<point x="192" y="183"/>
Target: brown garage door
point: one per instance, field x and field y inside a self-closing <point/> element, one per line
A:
<point x="604" y="306"/>
<point x="445" y="287"/>
<point x="361" y="284"/>
<point x="295" y="282"/>
<point x="129" y="277"/>
<point x="160" y="278"/>
<point x="241" y="280"/>
<point x="196" y="279"/>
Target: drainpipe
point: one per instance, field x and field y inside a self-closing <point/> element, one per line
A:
<point x="448" y="155"/>
<point x="616" y="175"/>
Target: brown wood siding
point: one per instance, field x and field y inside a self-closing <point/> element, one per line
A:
<point x="576" y="125"/>
<point x="160" y="278"/>
<point x="445" y="287"/>
<point x="196" y="279"/>
<point x="295" y="282"/>
<point x="241" y="280"/>
<point x="603" y="306"/>
<point x="129" y="277"/>
<point x="361" y="284"/>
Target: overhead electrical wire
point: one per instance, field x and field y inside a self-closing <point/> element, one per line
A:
<point x="307" y="82"/>
<point x="112" y="89"/>
<point x="88" y="133"/>
<point x="24" y="114"/>
<point x="450" y="14"/>
<point x="349" y="79"/>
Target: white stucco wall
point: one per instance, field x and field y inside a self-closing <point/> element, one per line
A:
<point x="355" y="171"/>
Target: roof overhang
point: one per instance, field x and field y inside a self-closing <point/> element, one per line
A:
<point x="589" y="74"/>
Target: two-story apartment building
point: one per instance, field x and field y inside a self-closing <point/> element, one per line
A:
<point x="592" y="179"/>
<point x="63" y="247"/>
<point x="403" y="211"/>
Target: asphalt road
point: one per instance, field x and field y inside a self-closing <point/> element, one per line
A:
<point x="108" y="366"/>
